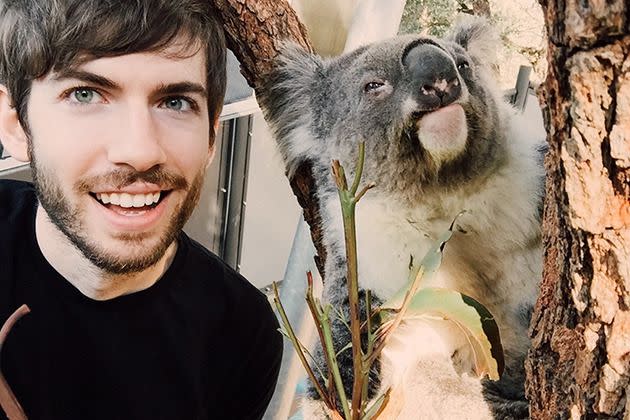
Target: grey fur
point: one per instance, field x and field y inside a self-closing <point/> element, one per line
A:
<point x="321" y="109"/>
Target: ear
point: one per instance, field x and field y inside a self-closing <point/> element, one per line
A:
<point x="213" y="147"/>
<point x="288" y="85"/>
<point x="210" y="156"/>
<point x="12" y="134"/>
<point x="286" y="96"/>
<point x="477" y="37"/>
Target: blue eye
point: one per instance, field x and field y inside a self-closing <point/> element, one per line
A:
<point x="178" y="104"/>
<point x="85" y="96"/>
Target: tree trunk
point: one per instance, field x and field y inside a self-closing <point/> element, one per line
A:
<point x="579" y="363"/>
<point x="255" y="31"/>
<point x="481" y="8"/>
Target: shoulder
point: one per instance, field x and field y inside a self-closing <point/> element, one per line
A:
<point x="17" y="215"/>
<point x="208" y="267"/>
<point x="243" y="302"/>
<point x="247" y="319"/>
<point x="16" y="198"/>
<point x="17" y="210"/>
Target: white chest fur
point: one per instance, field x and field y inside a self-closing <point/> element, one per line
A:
<point x="495" y="257"/>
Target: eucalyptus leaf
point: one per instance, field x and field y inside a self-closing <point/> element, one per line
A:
<point x="377" y="406"/>
<point x="474" y="319"/>
<point x="420" y="273"/>
<point x="284" y="333"/>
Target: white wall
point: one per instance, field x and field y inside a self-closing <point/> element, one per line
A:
<point x="272" y="211"/>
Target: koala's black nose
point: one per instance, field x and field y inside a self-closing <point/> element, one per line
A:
<point x="434" y="74"/>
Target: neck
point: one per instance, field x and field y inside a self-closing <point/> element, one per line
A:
<point x="90" y="280"/>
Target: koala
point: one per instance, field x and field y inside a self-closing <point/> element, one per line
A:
<point x="439" y="139"/>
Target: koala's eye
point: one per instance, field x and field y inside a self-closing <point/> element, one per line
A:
<point x="463" y="65"/>
<point x="372" y="86"/>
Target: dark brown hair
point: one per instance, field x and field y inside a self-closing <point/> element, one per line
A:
<point x="39" y="36"/>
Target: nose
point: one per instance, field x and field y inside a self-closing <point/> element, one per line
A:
<point x="137" y="143"/>
<point x="441" y="93"/>
<point x="434" y="76"/>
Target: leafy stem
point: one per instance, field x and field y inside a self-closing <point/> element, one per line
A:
<point x="297" y="345"/>
<point x="324" y="329"/>
<point x="349" y="198"/>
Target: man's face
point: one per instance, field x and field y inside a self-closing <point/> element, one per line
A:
<point x="119" y="147"/>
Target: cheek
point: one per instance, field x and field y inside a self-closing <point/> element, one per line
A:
<point x="64" y="152"/>
<point x="189" y="161"/>
<point x="60" y="135"/>
<point x="187" y="147"/>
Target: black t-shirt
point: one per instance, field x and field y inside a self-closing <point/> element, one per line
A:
<point x="202" y="343"/>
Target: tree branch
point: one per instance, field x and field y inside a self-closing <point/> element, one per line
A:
<point x="255" y="31"/>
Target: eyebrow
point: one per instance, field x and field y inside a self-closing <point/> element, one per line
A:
<point x="85" y="76"/>
<point x="181" y="87"/>
<point x="101" y="81"/>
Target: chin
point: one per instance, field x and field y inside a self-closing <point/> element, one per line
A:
<point x="126" y="253"/>
<point x="444" y="133"/>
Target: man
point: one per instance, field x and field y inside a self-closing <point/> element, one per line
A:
<point x="115" y="103"/>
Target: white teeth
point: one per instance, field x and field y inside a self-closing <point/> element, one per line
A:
<point x="114" y="198"/>
<point x="127" y="200"/>
<point x="138" y="200"/>
<point x="152" y="198"/>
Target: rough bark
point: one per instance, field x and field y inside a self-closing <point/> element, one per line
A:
<point x="481" y="8"/>
<point x="255" y="31"/>
<point x="579" y="363"/>
<point x="475" y="7"/>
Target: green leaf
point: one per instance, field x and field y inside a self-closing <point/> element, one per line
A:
<point x="419" y="273"/>
<point x="346" y="347"/>
<point x="472" y="317"/>
<point x="377" y="406"/>
<point x="341" y="318"/>
<point x="283" y="332"/>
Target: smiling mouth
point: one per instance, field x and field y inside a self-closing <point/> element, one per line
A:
<point x="130" y="201"/>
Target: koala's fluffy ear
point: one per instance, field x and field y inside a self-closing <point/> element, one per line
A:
<point x="478" y="38"/>
<point x="294" y="69"/>
<point x="290" y="80"/>
<point x="286" y="94"/>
